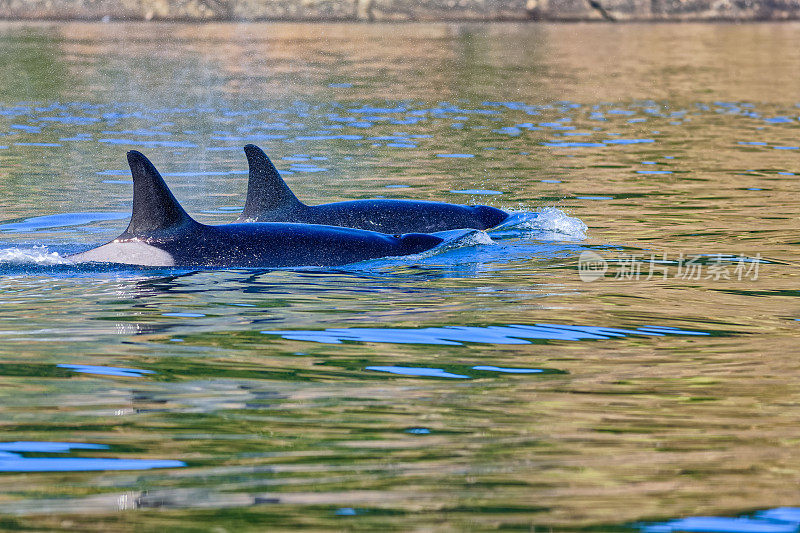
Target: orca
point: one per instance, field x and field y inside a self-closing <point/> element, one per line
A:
<point x="161" y="233"/>
<point x="269" y="199"/>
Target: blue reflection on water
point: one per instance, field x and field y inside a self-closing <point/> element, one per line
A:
<point x="417" y="371"/>
<point x="150" y="144"/>
<point x="489" y="368"/>
<point x="60" y="221"/>
<point x="401" y="145"/>
<point x="329" y="137"/>
<point x="69" y="119"/>
<point x="778" y="520"/>
<point x="476" y="191"/>
<point x="456" y="335"/>
<point x="628" y="141"/>
<point x="38" y="144"/>
<point x="23" y="127"/>
<point x="572" y="144"/>
<point x="107" y="370"/>
<point x="48" y="447"/>
<point x="14" y="462"/>
<point x="144" y="132"/>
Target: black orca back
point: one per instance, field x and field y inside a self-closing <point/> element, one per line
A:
<point x="269" y="199"/>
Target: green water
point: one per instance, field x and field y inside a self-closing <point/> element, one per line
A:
<point x="467" y="390"/>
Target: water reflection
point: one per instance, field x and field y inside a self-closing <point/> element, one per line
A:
<point x="106" y="370"/>
<point x="608" y="403"/>
<point x="16" y="462"/>
<point x="778" y="520"/>
<point x="482" y="371"/>
<point x="457" y="335"/>
<point x="60" y="221"/>
<point x="417" y="371"/>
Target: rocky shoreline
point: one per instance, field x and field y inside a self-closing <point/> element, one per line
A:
<point x="402" y="10"/>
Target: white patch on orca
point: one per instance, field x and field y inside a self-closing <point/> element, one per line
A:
<point x="132" y="252"/>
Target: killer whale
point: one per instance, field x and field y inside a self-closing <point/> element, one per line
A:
<point x="269" y="199"/>
<point x="161" y="233"/>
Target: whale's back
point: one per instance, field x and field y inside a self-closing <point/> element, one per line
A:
<point x="269" y="199"/>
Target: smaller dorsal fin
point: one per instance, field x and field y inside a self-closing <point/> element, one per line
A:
<point x="155" y="209"/>
<point x="266" y="190"/>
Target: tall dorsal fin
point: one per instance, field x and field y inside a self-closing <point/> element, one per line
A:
<point x="266" y="190"/>
<point x="155" y="209"/>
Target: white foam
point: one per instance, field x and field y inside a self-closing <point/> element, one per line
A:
<point x="38" y="255"/>
<point x="474" y="238"/>
<point x="462" y="238"/>
<point x="549" y="224"/>
<point x="453" y="240"/>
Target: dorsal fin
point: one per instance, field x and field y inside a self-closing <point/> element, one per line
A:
<point x="266" y="190"/>
<point x="155" y="209"/>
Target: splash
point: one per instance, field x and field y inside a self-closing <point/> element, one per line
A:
<point x="548" y="224"/>
<point x="456" y="239"/>
<point x="38" y="255"/>
<point x="463" y="239"/>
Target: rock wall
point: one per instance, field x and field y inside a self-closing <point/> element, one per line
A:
<point x="403" y="10"/>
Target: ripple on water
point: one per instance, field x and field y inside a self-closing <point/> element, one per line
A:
<point x="107" y="370"/>
<point x="150" y="144"/>
<point x="629" y="141"/>
<point x="12" y="460"/>
<point x="572" y="144"/>
<point x="417" y="371"/>
<point x="506" y="148"/>
<point x="778" y="520"/>
<point x="455" y="371"/>
<point x="457" y="335"/>
<point x="476" y="191"/>
<point x="60" y="221"/>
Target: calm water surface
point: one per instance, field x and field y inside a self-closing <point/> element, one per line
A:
<point x="488" y="385"/>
